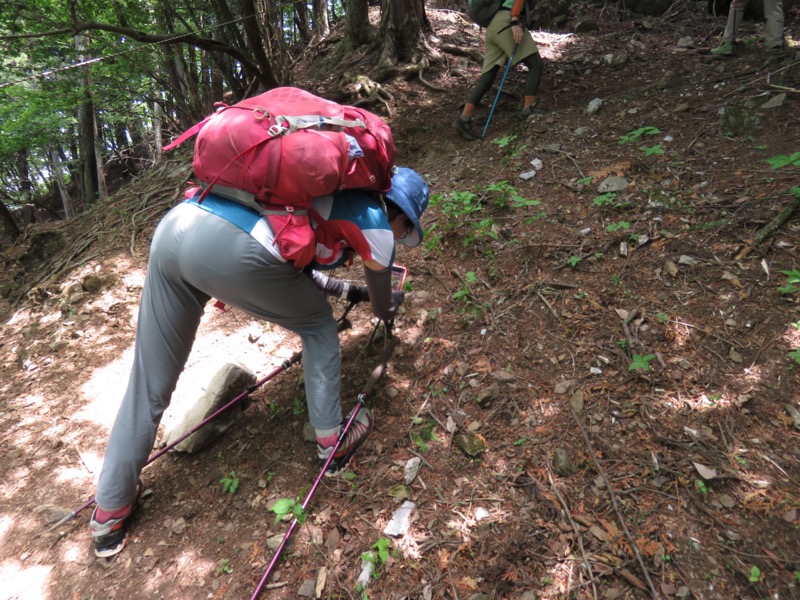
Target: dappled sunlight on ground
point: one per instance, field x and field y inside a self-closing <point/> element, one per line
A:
<point x="24" y="583"/>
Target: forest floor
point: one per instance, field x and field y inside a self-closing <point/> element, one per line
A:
<point x="620" y="359"/>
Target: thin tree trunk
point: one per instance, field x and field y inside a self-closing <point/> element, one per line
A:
<point x="58" y="173"/>
<point x="10" y="224"/>
<point x="322" y="26"/>
<point x="99" y="161"/>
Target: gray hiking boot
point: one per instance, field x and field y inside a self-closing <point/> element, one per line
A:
<point x="356" y="435"/>
<point x="464" y="127"/>
<point x="111" y="535"/>
<point x="726" y="49"/>
<point x="523" y="114"/>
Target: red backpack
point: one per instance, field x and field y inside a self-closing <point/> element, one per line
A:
<point x="277" y="151"/>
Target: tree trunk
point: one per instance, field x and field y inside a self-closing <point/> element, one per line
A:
<point x="321" y="25"/>
<point x="99" y="162"/>
<point x="255" y="46"/>
<point x="58" y="173"/>
<point x="357" y="30"/>
<point x="301" y="21"/>
<point x="86" y="129"/>
<point x="403" y="33"/>
<point x="9" y="223"/>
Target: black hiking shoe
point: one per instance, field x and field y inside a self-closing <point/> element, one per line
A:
<point x="464" y="127"/>
<point x="357" y="435"/>
<point x="111" y="536"/>
<point x="523" y="114"/>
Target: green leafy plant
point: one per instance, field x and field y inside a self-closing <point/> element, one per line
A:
<point x="616" y="280"/>
<point x="783" y="160"/>
<point x="634" y="136"/>
<point x="651" y="150"/>
<point x="573" y="261"/>
<point x="662" y="317"/>
<point x="425" y="435"/>
<point x="755" y="574"/>
<point x="641" y="363"/>
<point x="701" y="486"/>
<point x="792" y="279"/>
<point x="520" y="442"/>
<point x="795" y="354"/>
<point x="607" y="199"/>
<point x="620" y="225"/>
<point x="379" y="555"/>
<point x="504" y="141"/>
<point x="285" y="506"/>
<point x="298" y="406"/>
<point x="230" y="483"/>
<point x="224" y="566"/>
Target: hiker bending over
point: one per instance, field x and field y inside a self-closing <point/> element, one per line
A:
<point x="503" y="35"/>
<point x="773" y="33"/>
<point x="222" y="249"/>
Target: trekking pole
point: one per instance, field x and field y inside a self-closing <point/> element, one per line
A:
<point x="391" y="344"/>
<point x="343" y="324"/>
<point x="500" y="89"/>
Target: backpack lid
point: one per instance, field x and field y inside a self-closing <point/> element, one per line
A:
<point x="410" y="193"/>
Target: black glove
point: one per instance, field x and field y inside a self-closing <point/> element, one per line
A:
<point x="357" y="293"/>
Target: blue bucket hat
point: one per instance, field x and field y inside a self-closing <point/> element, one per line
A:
<point x="410" y="193"/>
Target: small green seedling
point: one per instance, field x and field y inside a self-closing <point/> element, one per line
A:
<point x="606" y="199"/>
<point x="520" y="441"/>
<point x="624" y="225"/>
<point x="650" y="150"/>
<point x="795" y="354"/>
<point x="573" y="261"/>
<point x="634" y="136"/>
<point x="755" y="574"/>
<point x="285" y="506"/>
<point x="701" y="486"/>
<point x="792" y="279"/>
<point x="783" y="160"/>
<point x="641" y="363"/>
<point x="504" y="141"/>
<point x="224" y="566"/>
<point x="662" y="317"/>
<point x="230" y="483"/>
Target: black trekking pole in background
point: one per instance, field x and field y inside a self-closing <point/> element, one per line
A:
<point x="391" y="344"/>
<point x="286" y="364"/>
<point x="500" y="89"/>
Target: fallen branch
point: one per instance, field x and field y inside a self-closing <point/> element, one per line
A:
<point x="620" y="518"/>
<point x="577" y="532"/>
<point x="770" y="227"/>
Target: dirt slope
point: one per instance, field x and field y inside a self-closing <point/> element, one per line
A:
<point x="533" y="303"/>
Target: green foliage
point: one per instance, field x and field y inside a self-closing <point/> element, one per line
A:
<point x="634" y="136"/>
<point x="285" y="506"/>
<point x="224" y="566"/>
<point x="755" y="574"/>
<point x="650" y="150"/>
<point x="230" y="483"/>
<point x="573" y="261"/>
<point x="701" y="486"/>
<point x="607" y="199"/>
<point x="505" y="141"/>
<point x="620" y="225"/>
<point x="782" y="160"/>
<point x="662" y="317"/>
<point x="795" y="354"/>
<point x="425" y="435"/>
<point x="792" y="279"/>
<point x="641" y="363"/>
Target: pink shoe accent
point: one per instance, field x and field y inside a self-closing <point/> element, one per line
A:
<point x="103" y="516"/>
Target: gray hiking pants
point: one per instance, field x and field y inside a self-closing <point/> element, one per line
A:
<point x="773" y="12"/>
<point x="196" y="255"/>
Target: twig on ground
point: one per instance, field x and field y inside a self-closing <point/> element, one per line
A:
<point x="599" y="467"/>
<point x="577" y="531"/>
